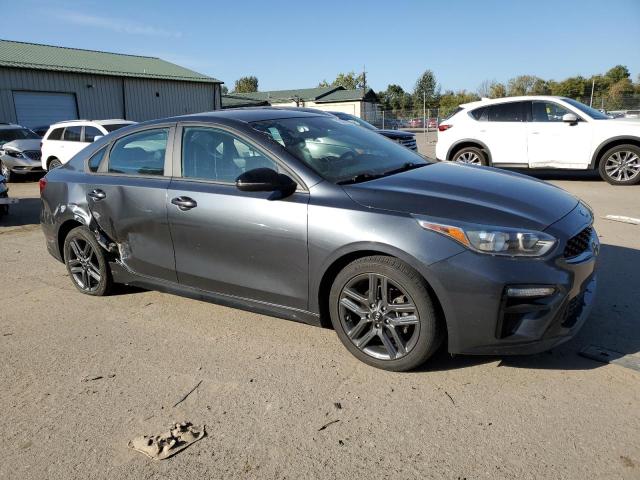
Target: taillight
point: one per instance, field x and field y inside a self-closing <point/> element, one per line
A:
<point x="444" y="126"/>
<point x="42" y="183"/>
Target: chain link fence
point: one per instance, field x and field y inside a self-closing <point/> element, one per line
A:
<point x="613" y="103"/>
<point x="420" y="120"/>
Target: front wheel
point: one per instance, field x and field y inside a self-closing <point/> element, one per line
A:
<point x="621" y="165"/>
<point x="471" y="155"/>
<point x="383" y="313"/>
<point x="86" y="263"/>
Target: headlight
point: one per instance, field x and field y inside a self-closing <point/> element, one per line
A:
<point x="496" y="240"/>
<point x="13" y="153"/>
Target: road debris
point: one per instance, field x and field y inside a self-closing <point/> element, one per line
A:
<point x="338" y="405"/>
<point x="450" y="397"/>
<point x="604" y="355"/>
<point x="188" y="393"/>
<point x="623" y="219"/>
<point x="159" y="447"/>
<point x="91" y="378"/>
<point x="327" y="424"/>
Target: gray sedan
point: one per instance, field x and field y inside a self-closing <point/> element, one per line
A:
<point x="313" y="219"/>
<point x="19" y="151"/>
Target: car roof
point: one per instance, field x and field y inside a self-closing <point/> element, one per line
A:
<point x="491" y="101"/>
<point x="73" y="123"/>
<point x="11" y="126"/>
<point x="248" y="114"/>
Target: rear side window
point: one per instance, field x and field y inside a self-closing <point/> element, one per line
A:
<point x="507" y="112"/>
<point x="480" y="114"/>
<point x="95" y="161"/>
<point x="140" y="153"/>
<point x="72" y="134"/>
<point x="56" y="134"/>
<point x="90" y="133"/>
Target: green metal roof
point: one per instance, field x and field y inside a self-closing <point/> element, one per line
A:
<point x="358" y="94"/>
<point x="304" y="94"/>
<point x="62" y="59"/>
<point x="235" y="101"/>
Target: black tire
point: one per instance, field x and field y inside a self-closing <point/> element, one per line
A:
<point x="425" y="336"/>
<point x="54" y="163"/>
<point x="82" y="238"/>
<point x="470" y="155"/>
<point x="6" y="172"/>
<point x="621" y="153"/>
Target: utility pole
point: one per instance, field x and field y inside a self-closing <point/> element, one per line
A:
<point x="593" y="86"/>
<point x="364" y="88"/>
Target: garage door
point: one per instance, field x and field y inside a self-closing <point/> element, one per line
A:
<point x="34" y="109"/>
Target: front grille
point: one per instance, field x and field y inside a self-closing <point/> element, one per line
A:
<point x="33" y="154"/>
<point x="578" y="244"/>
<point x="409" y="143"/>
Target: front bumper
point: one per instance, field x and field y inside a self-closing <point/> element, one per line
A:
<point x="483" y="320"/>
<point x="22" y="165"/>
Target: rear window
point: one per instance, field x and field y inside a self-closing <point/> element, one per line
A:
<point x="115" y="126"/>
<point x="56" y="134"/>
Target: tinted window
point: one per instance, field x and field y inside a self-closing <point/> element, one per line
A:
<point x="72" y="134"/>
<point x="56" y="134"/>
<point x="94" y="162"/>
<point x="140" y="154"/>
<point x="115" y="126"/>
<point x="90" y="133"/>
<point x="506" y="112"/>
<point x="480" y="114"/>
<point x="547" y="112"/>
<point x="212" y="154"/>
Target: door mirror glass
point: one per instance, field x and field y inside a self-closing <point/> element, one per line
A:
<point x="569" y="118"/>
<point x="265" y="180"/>
<point x="97" y="137"/>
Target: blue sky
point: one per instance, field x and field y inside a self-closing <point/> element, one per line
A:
<point x="296" y="44"/>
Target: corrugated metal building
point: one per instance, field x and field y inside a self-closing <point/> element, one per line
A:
<point x="43" y="84"/>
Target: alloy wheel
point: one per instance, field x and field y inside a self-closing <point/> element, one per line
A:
<point x="379" y="317"/>
<point x="622" y="166"/>
<point x="469" y="157"/>
<point x="83" y="265"/>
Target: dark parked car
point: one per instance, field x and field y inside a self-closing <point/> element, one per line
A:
<point x="317" y="220"/>
<point x="405" y="139"/>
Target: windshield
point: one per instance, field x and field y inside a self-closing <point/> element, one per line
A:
<point x="592" y="112"/>
<point x="353" y="119"/>
<point x="11" y="134"/>
<point x="114" y="126"/>
<point x="340" y="151"/>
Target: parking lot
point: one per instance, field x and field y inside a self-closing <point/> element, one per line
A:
<point x="81" y="376"/>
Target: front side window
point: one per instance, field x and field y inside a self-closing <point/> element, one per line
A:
<point x="72" y="134"/>
<point x="212" y="154"/>
<point x="339" y="151"/>
<point x="506" y="112"/>
<point x="547" y="112"/>
<point x="140" y="153"/>
<point x="90" y="133"/>
<point x="95" y="161"/>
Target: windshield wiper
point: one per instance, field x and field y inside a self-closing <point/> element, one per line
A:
<point x="404" y="168"/>
<point x="361" y="177"/>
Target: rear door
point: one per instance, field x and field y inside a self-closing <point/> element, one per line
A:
<point x="554" y="143"/>
<point x="128" y="199"/>
<point x="502" y="128"/>
<point x="71" y="143"/>
<point x="243" y="244"/>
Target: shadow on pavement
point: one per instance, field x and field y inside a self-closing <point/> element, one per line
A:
<point x="26" y="212"/>
<point x="614" y="322"/>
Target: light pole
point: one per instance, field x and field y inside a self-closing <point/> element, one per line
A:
<point x="424" y="113"/>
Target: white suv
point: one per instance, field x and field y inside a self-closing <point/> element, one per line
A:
<point x="64" y="139"/>
<point x="542" y="132"/>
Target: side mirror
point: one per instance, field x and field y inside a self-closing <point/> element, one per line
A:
<point x="265" y="180"/>
<point x="569" y="118"/>
<point x="97" y="137"/>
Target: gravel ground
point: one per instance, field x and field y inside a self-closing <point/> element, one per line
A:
<point x="269" y="385"/>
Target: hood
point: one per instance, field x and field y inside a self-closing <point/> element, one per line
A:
<point x="468" y="194"/>
<point x="24" y="145"/>
<point x="395" y="134"/>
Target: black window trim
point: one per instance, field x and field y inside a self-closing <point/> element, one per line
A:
<point x="177" y="161"/>
<point x="168" y="155"/>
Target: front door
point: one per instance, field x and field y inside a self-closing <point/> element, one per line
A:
<point x="554" y="143"/>
<point x="127" y="197"/>
<point x="243" y="244"/>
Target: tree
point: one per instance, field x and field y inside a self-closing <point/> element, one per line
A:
<point x="617" y="93"/>
<point x="449" y="100"/>
<point x="524" y="85"/>
<point x="350" y="81"/>
<point x="484" y="90"/>
<point x="224" y="90"/>
<point x="497" y="90"/>
<point x="617" y="73"/>
<point x="426" y="89"/>
<point x="246" y="84"/>
<point x="572" y="87"/>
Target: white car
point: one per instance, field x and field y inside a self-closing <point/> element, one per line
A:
<point x="542" y="132"/>
<point x="64" y="139"/>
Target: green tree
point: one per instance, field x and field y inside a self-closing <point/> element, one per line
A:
<point x="497" y="90"/>
<point x="572" y="87"/>
<point x="617" y="73"/>
<point x="224" y="90"/>
<point x="618" y="93"/>
<point x="449" y="100"/>
<point x="349" y="80"/>
<point x="246" y="84"/>
<point x="426" y="89"/>
<point x="524" y="85"/>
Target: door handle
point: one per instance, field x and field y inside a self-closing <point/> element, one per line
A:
<point x="184" y="203"/>
<point x="97" y="194"/>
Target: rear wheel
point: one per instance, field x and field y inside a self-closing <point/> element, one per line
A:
<point x="621" y="165"/>
<point x="383" y="313"/>
<point x="86" y="263"/>
<point x="54" y="163"/>
<point x="6" y="172"/>
<point x="471" y="155"/>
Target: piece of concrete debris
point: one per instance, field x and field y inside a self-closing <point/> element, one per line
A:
<point x="623" y="219"/>
<point x="159" y="447"/>
<point x="327" y="424"/>
<point x="601" y="354"/>
<point x="90" y="378"/>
